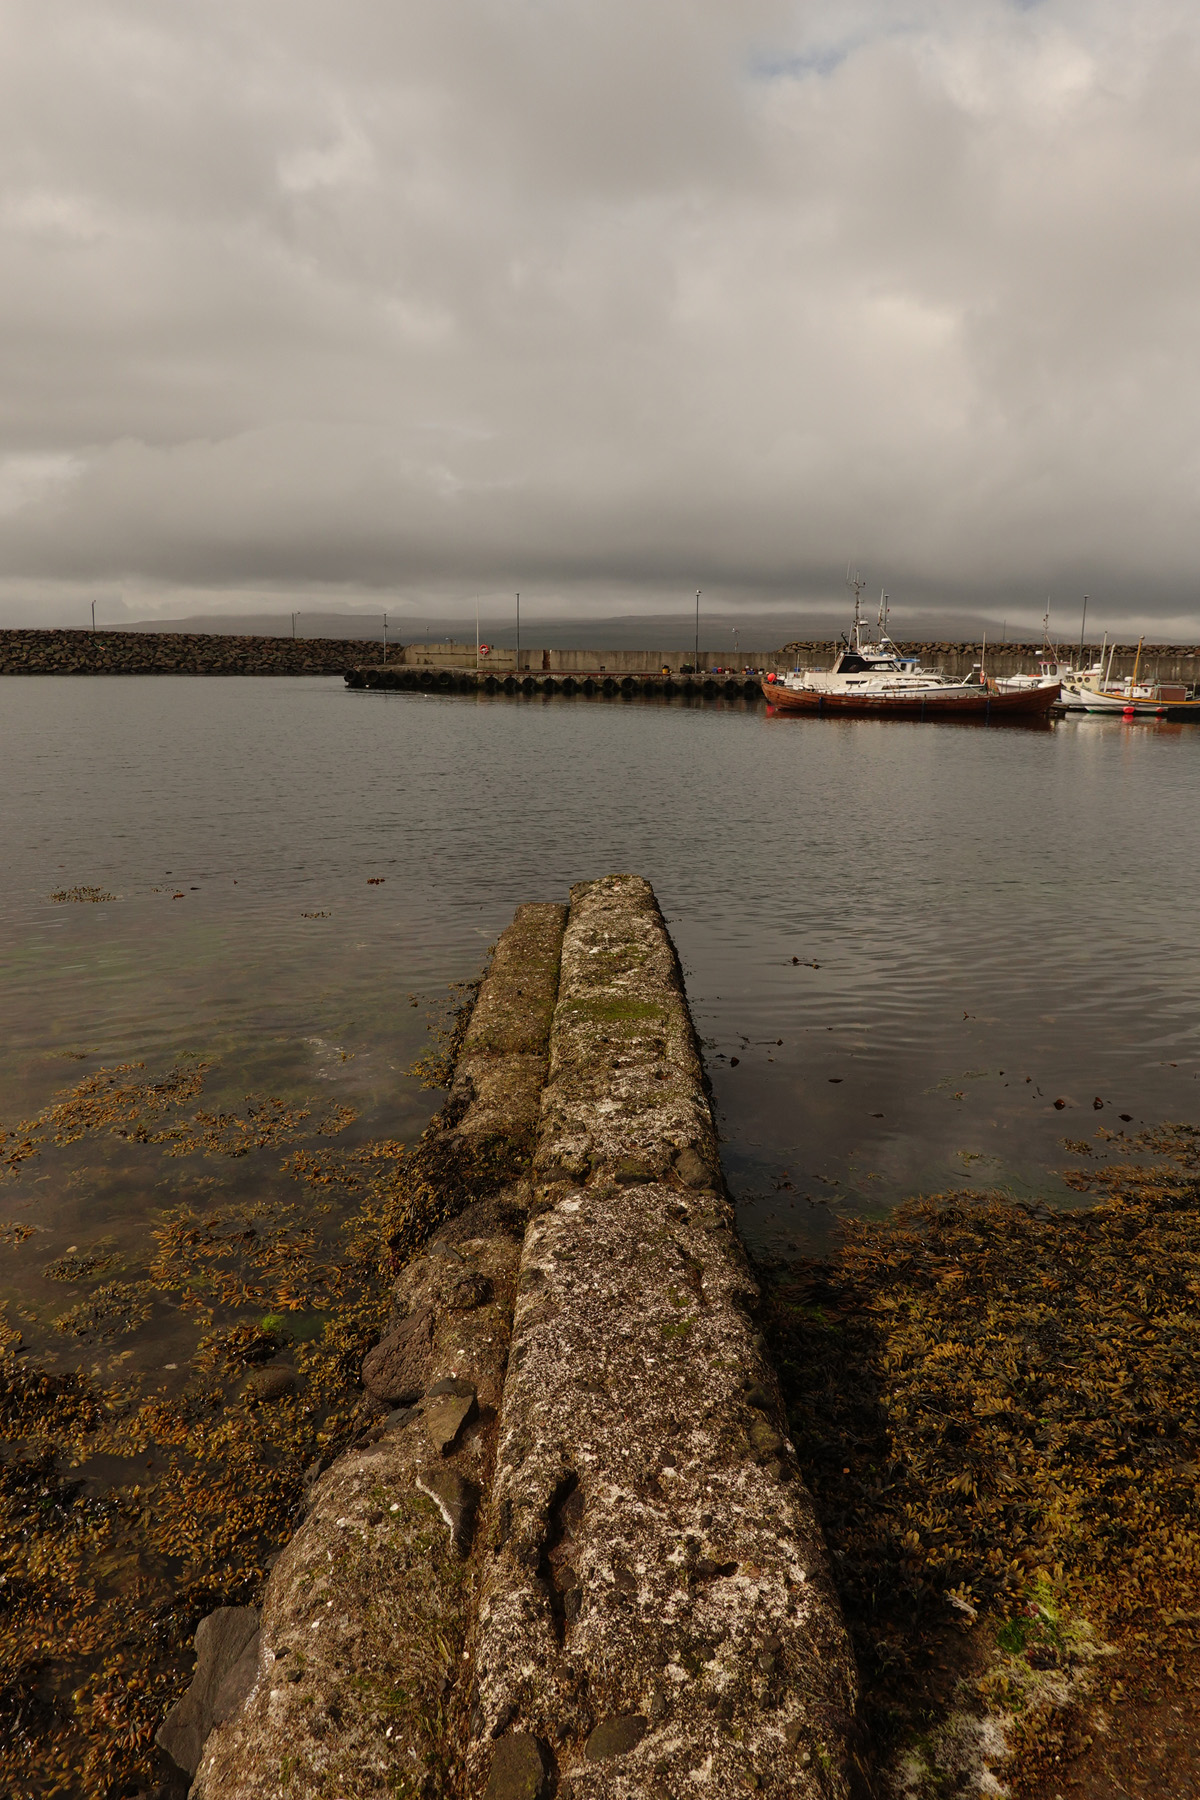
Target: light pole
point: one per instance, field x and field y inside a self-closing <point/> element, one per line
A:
<point x="293" y="627"/>
<point x="518" y="634"/>
<point x="735" y="643"/>
<point x="93" y="615"/>
<point x="697" y="655"/>
<point x="385" y="637"/>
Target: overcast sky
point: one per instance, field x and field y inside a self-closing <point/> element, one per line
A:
<point x="404" y="301"/>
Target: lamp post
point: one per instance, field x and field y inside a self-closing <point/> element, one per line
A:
<point x="697" y="654"/>
<point x="735" y="643"/>
<point x="385" y="637"/>
<point x="93" y="615"/>
<point x="518" y="662"/>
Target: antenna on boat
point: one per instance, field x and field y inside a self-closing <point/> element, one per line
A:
<point x="883" y="615"/>
<point x="854" y="580"/>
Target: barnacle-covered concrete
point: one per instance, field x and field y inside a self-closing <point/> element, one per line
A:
<point x="570" y="1557"/>
<point x="368" y="1611"/>
<point x="361" y="1686"/>
<point x="657" y="1617"/>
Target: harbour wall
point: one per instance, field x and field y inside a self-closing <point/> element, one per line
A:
<point x="190" y="653"/>
<point x="171" y="653"/>
<point x="456" y="668"/>
<point x="1173" y="662"/>
<point x="570" y="1556"/>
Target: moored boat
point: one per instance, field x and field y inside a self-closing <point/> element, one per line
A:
<point x="873" y="677"/>
<point x="1129" y="697"/>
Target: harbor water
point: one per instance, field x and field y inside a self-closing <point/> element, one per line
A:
<point x="920" y="957"/>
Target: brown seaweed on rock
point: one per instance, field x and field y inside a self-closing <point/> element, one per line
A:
<point x="129" y="1511"/>
<point x="998" y="1411"/>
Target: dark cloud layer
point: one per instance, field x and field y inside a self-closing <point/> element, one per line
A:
<point x="604" y="301"/>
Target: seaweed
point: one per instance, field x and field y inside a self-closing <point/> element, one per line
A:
<point x="82" y="895"/>
<point x="132" y="1504"/>
<point x="997" y="1408"/>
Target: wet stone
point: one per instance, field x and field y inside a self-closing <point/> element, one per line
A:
<point x="223" y="1640"/>
<point x="395" y="1370"/>
<point x="692" y="1169"/>
<point x="445" y="1418"/>
<point x="273" y="1382"/>
<point x="518" y="1769"/>
<point x="615" y="1737"/>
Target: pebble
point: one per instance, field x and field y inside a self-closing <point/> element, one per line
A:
<point x="614" y="1737"/>
<point x="518" y="1769"/>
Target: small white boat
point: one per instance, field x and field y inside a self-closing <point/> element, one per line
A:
<point x="1097" y="692"/>
<point x="1051" y="668"/>
<point x="1050" y="673"/>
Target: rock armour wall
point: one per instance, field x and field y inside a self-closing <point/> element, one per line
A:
<point x="571" y="1557"/>
<point x="171" y="653"/>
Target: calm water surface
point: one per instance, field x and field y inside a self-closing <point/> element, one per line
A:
<point x="903" y="942"/>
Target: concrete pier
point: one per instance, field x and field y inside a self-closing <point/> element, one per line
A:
<point x="571" y="1556"/>
<point x="398" y="678"/>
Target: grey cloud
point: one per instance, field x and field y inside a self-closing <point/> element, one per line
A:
<point x="624" y="298"/>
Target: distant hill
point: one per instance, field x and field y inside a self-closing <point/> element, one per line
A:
<point x="616" y="631"/>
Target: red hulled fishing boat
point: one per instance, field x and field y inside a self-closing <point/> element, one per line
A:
<point x="873" y="677"/>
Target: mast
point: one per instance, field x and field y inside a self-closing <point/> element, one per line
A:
<point x="854" y="580"/>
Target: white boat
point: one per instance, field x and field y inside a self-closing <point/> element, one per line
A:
<point x="1051" y="669"/>
<point x="873" y="677"/>
<point x="1097" y="692"/>
<point x="1050" y="673"/>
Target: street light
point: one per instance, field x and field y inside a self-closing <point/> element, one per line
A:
<point x="697" y="656"/>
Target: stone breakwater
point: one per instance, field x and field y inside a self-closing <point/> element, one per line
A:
<point x="570" y="1556"/>
<point x="171" y="653"/>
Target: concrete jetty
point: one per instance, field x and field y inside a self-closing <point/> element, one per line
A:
<point x="430" y="679"/>
<point x="630" y="674"/>
<point x="571" y="1556"/>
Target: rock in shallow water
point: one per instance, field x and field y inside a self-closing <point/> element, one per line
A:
<point x="273" y="1382"/>
<point x="226" y="1661"/>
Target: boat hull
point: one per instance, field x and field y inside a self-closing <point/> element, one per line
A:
<point x="934" y="703"/>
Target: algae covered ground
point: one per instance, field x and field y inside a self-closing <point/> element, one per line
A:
<point x="135" y="1494"/>
<point x="998" y="1410"/>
